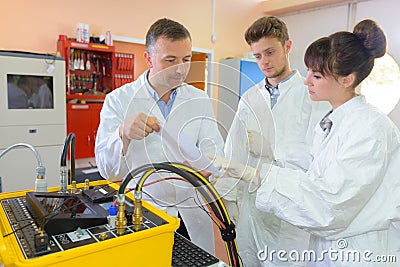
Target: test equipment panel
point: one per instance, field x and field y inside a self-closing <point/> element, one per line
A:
<point x="55" y="229"/>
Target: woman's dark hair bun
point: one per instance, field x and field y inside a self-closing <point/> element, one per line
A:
<point x="372" y="37"/>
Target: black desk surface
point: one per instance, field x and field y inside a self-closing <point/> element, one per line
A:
<point x="90" y="173"/>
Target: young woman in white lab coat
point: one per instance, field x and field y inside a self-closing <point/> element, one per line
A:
<point x="349" y="198"/>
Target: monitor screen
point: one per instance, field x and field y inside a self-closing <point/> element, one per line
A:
<point x="62" y="205"/>
<point x="29" y="91"/>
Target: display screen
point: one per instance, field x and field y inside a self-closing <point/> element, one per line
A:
<point x="57" y="205"/>
<point x="30" y="91"/>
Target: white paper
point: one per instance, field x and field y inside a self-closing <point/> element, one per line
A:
<point x="92" y="170"/>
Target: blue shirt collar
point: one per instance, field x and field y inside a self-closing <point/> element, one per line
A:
<point x="165" y="108"/>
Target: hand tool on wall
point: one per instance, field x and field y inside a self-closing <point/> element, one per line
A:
<point x="76" y="60"/>
<point x="103" y="64"/>
<point x="81" y="61"/>
<point x="71" y="59"/>
<point x="109" y="60"/>
<point x="87" y="61"/>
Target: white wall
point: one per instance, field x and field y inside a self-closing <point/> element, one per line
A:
<point x="306" y="26"/>
<point x="386" y="13"/>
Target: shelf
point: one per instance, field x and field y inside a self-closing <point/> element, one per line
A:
<point x="86" y="97"/>
<point x="94" y="67"/>
<point x="90" y="46"/>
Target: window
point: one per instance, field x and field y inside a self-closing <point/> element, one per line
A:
<point x="382" y="87"/>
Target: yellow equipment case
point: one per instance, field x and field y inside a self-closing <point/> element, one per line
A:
<point x="92" y="242"/>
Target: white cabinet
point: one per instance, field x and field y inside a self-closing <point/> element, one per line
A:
<point x="235" y="77"/>
<point x="42" y="127"/>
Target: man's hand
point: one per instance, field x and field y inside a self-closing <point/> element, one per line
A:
<point x="259" y="146"/>
<point x="137" y="128"/>
<point x="232" y="169"/>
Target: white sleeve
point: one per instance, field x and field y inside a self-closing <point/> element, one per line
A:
<point x="326" y="205"/>
<point x="210" y="141"/>
<point x="108" y="150"/>
<point x="235" y="149"/>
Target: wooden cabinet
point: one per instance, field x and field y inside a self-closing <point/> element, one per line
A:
<point x="83" y="120"/>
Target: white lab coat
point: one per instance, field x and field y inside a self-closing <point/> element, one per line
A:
<point x="17" y="98"/>
<point x="193" y="115"/>
<point x="43" y="98"/>
<point x="351" y="190"/>
<point x="289" y="127"/>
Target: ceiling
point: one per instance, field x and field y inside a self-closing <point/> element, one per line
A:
<point x="278" y="7"/>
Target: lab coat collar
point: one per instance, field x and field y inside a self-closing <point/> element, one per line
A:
<point x="289" y="81"/>
<point x="286" y="84"/>
<point x="345" y="109"/>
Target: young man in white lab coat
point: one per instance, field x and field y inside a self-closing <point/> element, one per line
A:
<point x="268" y="120"/>
<point x="133" y="118"/>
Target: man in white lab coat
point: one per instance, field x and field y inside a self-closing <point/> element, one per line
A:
<point x="133" y="117"/>
<point x="42" y="96"/>
<point x="269" y="120"/>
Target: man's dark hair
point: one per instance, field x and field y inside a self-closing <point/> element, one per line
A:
<point x="165" y="28"/>
<point x="267" y="27"/>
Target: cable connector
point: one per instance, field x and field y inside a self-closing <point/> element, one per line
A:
<point x="112" y="216"/>
<point x="120" y="222"/>
<point x="63" y="179"/>
<point x="229" y="233"/>
<point x="137" y="217"/>
<point x="74" y="189"/>
<point x="40" y="182"/>
<point x="86" y="185"/>
<point x="41" y="241"/>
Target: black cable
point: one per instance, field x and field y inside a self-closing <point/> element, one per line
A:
<point x="229" y="233"/>
<point x="132" y="174"/>
<point x="72" y="159"/>
<point x="158" y="202"/>
<point x="187" y="175"/>
<point x="221" y="216"/>
<point x="69" y="143"/>
<point x="63" y="160"/>
<point x="192" y="180"/>
<point x="211" y="196"/>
